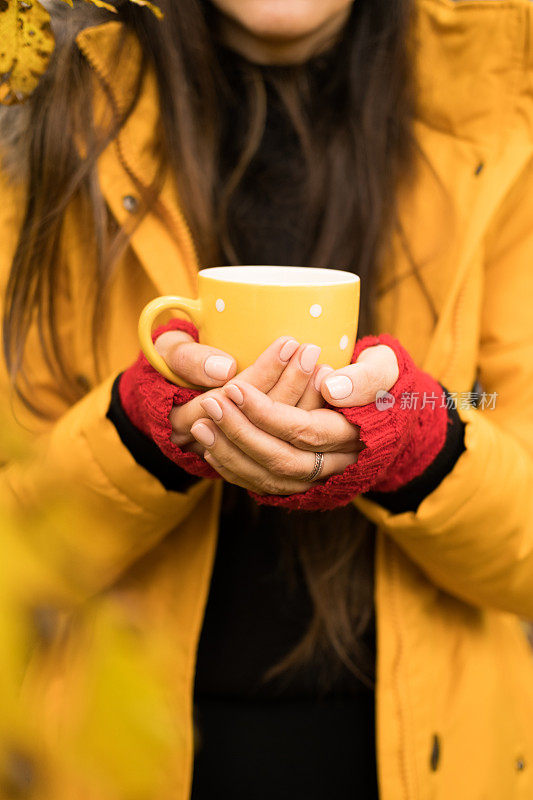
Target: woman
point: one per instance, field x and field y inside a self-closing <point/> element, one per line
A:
<point x="390" y="139"/>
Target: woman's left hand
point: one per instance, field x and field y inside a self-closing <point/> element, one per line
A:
<point x="268" y="447"/>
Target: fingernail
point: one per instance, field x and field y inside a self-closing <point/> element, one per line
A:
<point x="203" y="434"/>
<point x="234" y="393"/>
<point x="309" y="357"/>
<point x="288" y="350"/>
<point x="339" y="386"/>
<point x="218" y="367"/>
<point x="211" y="406"/>
<point x="321" y="374"/>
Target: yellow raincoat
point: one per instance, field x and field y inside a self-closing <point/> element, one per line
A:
<point x="454" y="669"/>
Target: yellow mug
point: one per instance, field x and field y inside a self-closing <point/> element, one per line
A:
<point x="242" y="310"/>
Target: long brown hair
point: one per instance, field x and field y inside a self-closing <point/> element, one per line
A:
<point x="356" y="155"/>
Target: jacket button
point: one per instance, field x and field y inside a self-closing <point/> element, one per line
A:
<point x="46" y="623"/>
<point x="84" y="383"/>
<point x="130" y="203"/>
<point x="435" y="753"/>
<point x="19" y="775"/>
<point x="520" y="764"/>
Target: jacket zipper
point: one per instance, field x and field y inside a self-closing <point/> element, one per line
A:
<point x="456" y="330"/>
<point x="404" y="766"/>
<point x="396" y="678"/>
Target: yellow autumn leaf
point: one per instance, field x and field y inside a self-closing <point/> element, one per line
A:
<point x="26" y="44"/>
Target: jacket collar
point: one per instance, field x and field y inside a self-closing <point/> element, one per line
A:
<point x="130" y="162"/>
<point x="474" y="67"/>
<point x="114" y="54"/>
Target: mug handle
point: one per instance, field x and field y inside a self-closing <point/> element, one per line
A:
<point x="192" y="308"/>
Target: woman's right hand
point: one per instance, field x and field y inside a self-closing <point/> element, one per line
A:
<point x="286" y="371"/>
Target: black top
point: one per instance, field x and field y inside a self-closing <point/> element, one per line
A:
<point x="285" y="737"/>
<point x="259" y="606"/>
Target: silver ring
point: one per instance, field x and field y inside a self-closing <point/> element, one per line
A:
<point x="319" y="464"/>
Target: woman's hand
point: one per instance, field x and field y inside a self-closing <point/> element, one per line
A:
<point x="286" y="372"/>
<point x="268" y="446"/>
<point x="256" y="442"/>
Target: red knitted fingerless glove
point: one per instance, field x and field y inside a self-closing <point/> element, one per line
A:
<point x="400" y="442"/>
<point x="148" y="398"/>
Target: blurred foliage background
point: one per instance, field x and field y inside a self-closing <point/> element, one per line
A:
<point x="83" y="683"/>
<point x="84" y="708"/>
